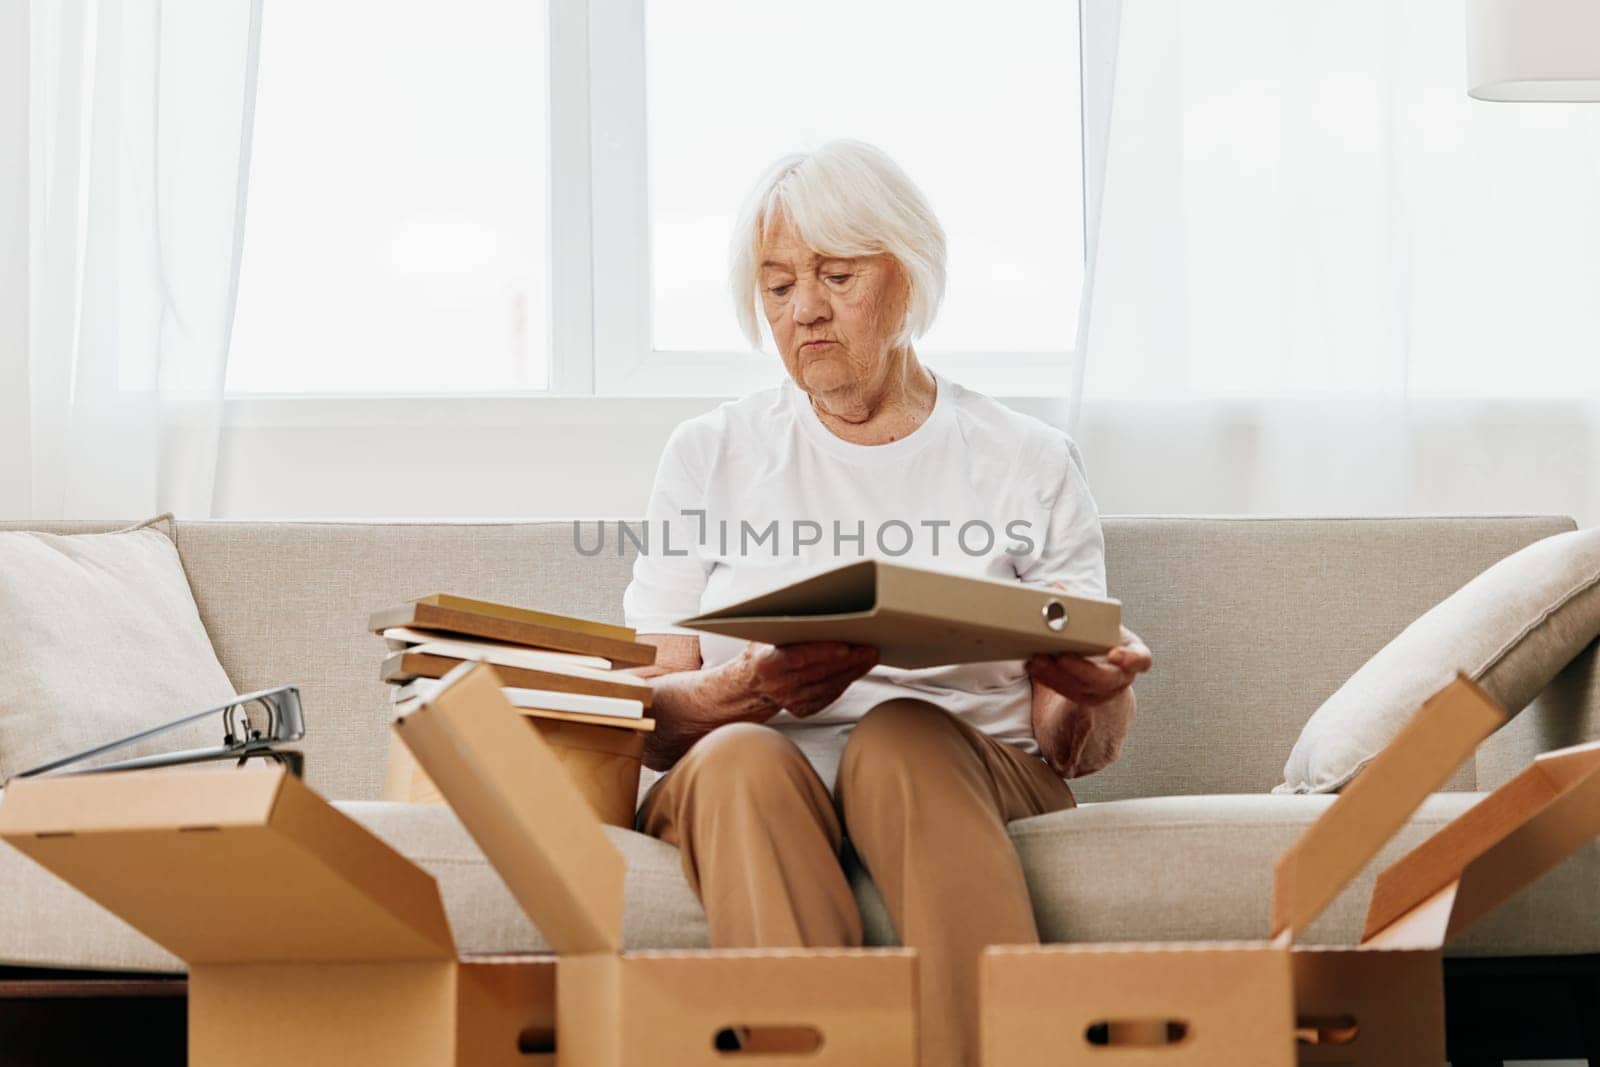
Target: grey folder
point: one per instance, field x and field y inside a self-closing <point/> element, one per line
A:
<point x="921" y="618"/>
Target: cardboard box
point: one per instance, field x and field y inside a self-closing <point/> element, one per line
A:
<point x="1204" y="1004"/>
<point x="308" y="939"/>
<point x="1381" y="1004"/>
<point x="603" y="761"/>
<point x="921" y="618"/>
<point x="639" y="1009"/>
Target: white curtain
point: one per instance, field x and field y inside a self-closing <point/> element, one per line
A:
<point x="140" y="116"/>
<point x="1326" y="281"/>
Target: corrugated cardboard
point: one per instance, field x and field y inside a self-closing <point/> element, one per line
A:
<point x="1381" y="1004"/>
<point x="921" y="618"/>
<point x="616" y="1009"/>
<point x="602" y="757"/>
<point x="308" y="939"/>
<point x="1216" y="1003"/>
<point x="1198" y="1005"/>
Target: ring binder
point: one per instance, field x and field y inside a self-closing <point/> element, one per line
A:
<point x="253" y="725"/>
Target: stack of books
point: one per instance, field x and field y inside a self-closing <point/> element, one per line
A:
<point x="568" y="675"/>
<point x="550" y="663"/>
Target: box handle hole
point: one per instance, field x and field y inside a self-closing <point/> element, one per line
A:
<point x="1055" y="615"/>
<point x="767" y="1040"/>
<point x="537" y="1039"/>
<point x="1326" y="1029"/>
<point x="1137" y="1033"/>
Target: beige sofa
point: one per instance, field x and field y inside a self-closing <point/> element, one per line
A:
<point x="1253" y="622"/>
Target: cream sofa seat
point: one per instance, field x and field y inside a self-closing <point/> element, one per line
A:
<point x="1253" y="621"/>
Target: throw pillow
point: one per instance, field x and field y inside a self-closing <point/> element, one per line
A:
<point x="101" y="639"/>
<point x="1511" y="629"/>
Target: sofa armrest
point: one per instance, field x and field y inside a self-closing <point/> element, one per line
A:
<point x="1566" y="713"/>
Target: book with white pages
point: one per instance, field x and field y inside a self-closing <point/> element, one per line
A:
<point x="537" y="699"/>
<point x="495" y="652"/>
<point x="643" y="726"/>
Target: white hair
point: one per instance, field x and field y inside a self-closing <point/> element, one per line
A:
<point x="845" y="199"/>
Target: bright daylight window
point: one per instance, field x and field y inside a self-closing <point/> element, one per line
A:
<point x="980" y="106"/>
<point x="396" y="230"/>
<point x="399" y="236"/>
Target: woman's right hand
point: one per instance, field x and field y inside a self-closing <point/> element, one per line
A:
<point x="804" y="678"/>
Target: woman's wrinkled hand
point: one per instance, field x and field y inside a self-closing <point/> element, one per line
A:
<point x="803" y="678"/>
<point x="1090" y="680"/>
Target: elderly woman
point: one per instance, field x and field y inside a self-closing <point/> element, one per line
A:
<point x="774" y="757"/>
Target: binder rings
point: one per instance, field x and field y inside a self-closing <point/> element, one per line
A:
<point x="253" y="726"/>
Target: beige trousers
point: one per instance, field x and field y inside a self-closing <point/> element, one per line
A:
<point x="924" y="799"/>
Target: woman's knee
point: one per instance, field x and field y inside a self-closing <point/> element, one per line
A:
<point x="904" y="732"/>
<point x="746" y="758"/>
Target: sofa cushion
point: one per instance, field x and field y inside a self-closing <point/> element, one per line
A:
<point x="1511" y="629"/>
<point x="1171" y="868"/>
<point x="102" y="639"/>
<point x="1200" y="868"/>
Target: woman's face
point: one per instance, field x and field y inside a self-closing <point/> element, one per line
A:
<point x="833" y="318"/>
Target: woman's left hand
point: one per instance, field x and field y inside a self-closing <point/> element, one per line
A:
<point x="1090" y="680"/>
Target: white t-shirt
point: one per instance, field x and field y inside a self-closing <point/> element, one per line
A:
<point x="759" y="493"/>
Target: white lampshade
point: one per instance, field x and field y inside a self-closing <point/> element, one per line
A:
<point x="1533" y="49"/>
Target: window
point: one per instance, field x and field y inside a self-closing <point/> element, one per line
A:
<point x="522" y="197"/>
<point x="396" y="227"/>
<point x="982" y="112"/>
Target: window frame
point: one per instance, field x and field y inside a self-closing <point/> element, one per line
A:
<point x="599" y="334"/>
<point x="625" y="359"/>
<point x="571" y="206"/>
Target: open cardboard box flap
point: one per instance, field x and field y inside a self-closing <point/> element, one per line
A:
<point x="1378" y="801"/>
<point x="270" y="872"/>
<point x="1381" y="1003"/>
<point x="1489" y="853"/>
<point x="1136" y="993"/>
<point x="518" y="802"/>
<point x="515" y="797"/>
